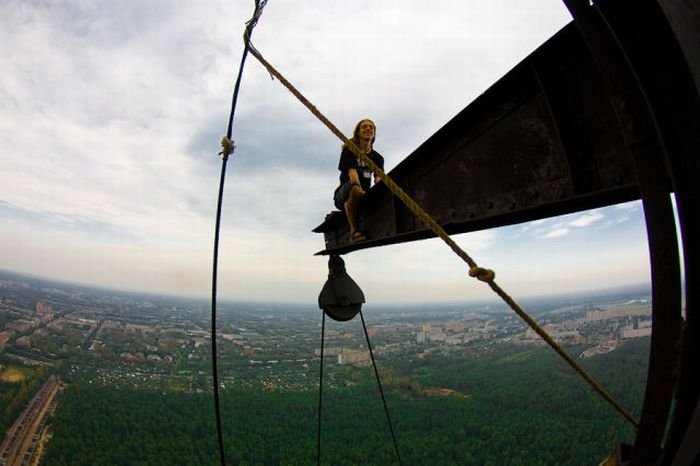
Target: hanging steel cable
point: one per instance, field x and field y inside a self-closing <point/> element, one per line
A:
<point x="381" y="390"/>
<point x="379" y="384"/>
<point x="227" y="149"/>
<point x="320" y="392"/>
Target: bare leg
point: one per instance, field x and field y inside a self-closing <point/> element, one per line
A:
<point x="352" y="207"/>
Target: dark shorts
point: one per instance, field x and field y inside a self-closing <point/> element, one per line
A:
<point x="341" y="195"/>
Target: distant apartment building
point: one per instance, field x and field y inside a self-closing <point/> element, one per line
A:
<point x="139" y="328"/>
<point x="112" y="325"/>
<point x="329" y="351"/>
<point x="456" y="327"/>
<point x="354" y="357"/>
<point x="345" y="355"/>
<point x="43" y="308"/>
<point x="20" y="326"/>
<point x="233" y="338"/>
<point x="617" y="313"/>
<point x="626" y="333"/>
<point x="556" y="332"/>
<point x="453" y="337"/>
<point x="454" y="340"/>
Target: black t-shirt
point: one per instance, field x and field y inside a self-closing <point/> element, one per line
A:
<point x="348" y="160"/>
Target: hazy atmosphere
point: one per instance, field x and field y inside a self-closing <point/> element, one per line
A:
<point x="111" y="115"/>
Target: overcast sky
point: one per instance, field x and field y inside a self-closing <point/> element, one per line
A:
<point x="111" y="115"/>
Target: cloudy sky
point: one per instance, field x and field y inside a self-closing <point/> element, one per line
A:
<point x="111" y="115"/>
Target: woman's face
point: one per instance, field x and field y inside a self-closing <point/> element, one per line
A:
<point x="366" y="130"/>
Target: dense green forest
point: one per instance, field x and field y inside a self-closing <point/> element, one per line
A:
<point x="511" y="406"/>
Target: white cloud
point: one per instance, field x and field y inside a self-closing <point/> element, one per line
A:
<point x="631" y="206"/>
<point x="586" y="219"/>
<point x="556" y="233"/>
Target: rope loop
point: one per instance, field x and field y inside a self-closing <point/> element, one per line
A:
<point x="227" y="146"/>
<point x="485" y="275"/>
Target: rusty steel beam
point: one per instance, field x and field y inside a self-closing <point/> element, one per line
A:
<point x="542" y="141"/>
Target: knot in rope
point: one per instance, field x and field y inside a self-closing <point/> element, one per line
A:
<point x="485" y="275"/>
<point x="227" y="146"/>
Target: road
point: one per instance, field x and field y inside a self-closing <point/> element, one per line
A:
<point x="19" y="443"/>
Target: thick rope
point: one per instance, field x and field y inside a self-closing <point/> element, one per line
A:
<point x="227" y="149"/>
<point x="474" y="270"/>
<point x="381" y="390"/>
<point x="320" y="393"/>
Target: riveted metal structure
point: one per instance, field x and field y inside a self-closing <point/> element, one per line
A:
<point x="606" y="111"/>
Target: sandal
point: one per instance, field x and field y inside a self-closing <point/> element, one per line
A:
<point x="357" y="236"/>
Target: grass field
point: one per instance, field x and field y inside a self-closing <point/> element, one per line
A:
<point x="13" y="374"/>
